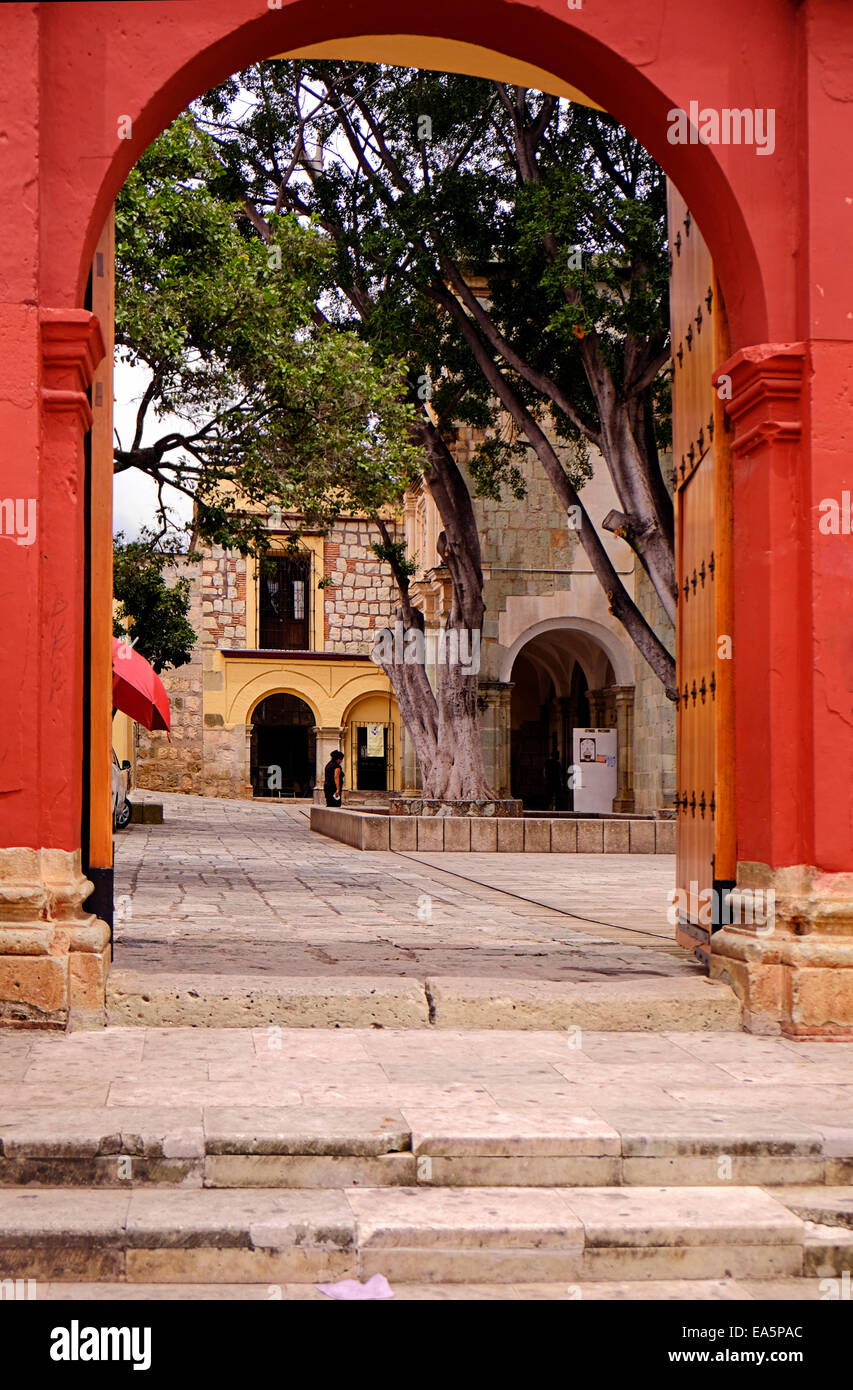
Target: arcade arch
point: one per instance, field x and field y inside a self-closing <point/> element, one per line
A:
<point x="772" y="227"/>
<point x="563" y="678"/>
<point x="283" y="747"/>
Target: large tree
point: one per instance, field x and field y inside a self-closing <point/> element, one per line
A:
<point x="274" y="401"/>
<point x="285" y="405"/>
<point x="418" y="180"/>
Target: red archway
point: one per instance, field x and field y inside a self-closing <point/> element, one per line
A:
<point x="96" y="82"/>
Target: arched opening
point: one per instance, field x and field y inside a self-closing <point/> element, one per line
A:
<point x="597" y="55"/>
<point x="283" y="747"/>
<point x="771" y="231"/>
<point x="563" y="682"/>
<point x="371" y="743"/>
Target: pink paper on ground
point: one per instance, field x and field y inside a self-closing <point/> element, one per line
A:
<point x="375" y="1287"/>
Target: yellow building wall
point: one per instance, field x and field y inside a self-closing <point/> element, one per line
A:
<point x="123" y="740"/>
<point x="338" y="693"/>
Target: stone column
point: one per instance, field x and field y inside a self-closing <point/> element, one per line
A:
<point x="569" y="720"/>
<point x="327" y="741"/>
<point x="495" y="701"/>
<point x="597" y="700"/>
<point x="624" y="700"/>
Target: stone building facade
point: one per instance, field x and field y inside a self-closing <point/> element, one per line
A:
<point x="361" y="595"/>
<point x="553" y="658"/>
<point x="238" y="696"/>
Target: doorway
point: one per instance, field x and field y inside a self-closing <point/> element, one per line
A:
<point x="284" y="747"/>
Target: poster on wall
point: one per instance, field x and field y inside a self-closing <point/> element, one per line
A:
<point x="375" y="747"/>
<point x="594" y="758"/>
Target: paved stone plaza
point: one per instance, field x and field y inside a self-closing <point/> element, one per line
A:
<point x="235" y="912"/>
<point x="569" y="1162"/>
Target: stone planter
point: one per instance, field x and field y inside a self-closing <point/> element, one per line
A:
<point x="429" y="806"/>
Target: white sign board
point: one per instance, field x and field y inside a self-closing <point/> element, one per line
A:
<point x="375" y="744"/>
<point x="594" y="758"/>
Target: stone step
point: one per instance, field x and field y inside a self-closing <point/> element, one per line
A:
<point x="411" y="1235"/>
<point x="649" y="1290"/>
<point x="828" y="1206"/>
<point x="338" y="1146"/>
<point x="649" y="1003"/>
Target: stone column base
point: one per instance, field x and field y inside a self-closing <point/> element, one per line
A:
<point x="327" y="741"/>
<point x="788" y="954"/>
<point x="54" y="957"/>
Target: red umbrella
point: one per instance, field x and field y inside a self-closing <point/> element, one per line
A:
<point x="137" y="689"/>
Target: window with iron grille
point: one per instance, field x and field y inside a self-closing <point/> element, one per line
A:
<point x="284" y="603"/>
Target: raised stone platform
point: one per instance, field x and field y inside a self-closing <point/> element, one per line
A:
<point x="436" y="806"/>
<point x="366" y="830"/>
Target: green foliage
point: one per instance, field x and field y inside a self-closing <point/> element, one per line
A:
<point x="577" y="254"/>
<point x="150" y="611"/>
<point x="281" y="407"/>
<point x="393" y="553"/>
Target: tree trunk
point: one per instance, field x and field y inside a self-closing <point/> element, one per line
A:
<point x="443" y="722"/>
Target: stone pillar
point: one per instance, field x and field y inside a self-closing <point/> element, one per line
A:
<point x="327" y="741"/>
<point x="568" y="714"/>
<point x="624" y="700"/>
<point x="788" y="951"/>
<point x="495" y="702"/>
<point x="602" y="712"/>
<point x="596" y="700"/>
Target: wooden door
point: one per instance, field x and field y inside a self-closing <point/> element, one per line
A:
<point x="705" y="848"/>
<point x="283" y="603"/>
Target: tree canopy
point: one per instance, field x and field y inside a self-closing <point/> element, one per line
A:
<point x="282" y="407"/>
<point x="511" y="245"/>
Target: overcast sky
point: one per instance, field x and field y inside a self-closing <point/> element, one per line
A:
<point x="134" y="494"/>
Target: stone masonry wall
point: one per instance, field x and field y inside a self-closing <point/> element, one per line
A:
<point x="525" y="543"/>
<point x="530" y="550"/>
<point x="223" y="599"/>
<point x="654" y="714"/>
<point x="178" y="766"/>
<point x="362" y="595"/>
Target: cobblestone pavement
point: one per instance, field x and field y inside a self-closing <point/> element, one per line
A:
<point x="243" y="887"/>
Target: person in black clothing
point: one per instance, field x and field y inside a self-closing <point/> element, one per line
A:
<point x="333" y="779"/>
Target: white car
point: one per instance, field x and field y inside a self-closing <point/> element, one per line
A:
<point x="121" y="805"/>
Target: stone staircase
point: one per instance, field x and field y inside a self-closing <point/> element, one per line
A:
<point x="269" y="1201"/>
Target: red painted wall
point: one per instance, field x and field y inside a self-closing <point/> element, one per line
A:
<point x="778" y="227"/>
